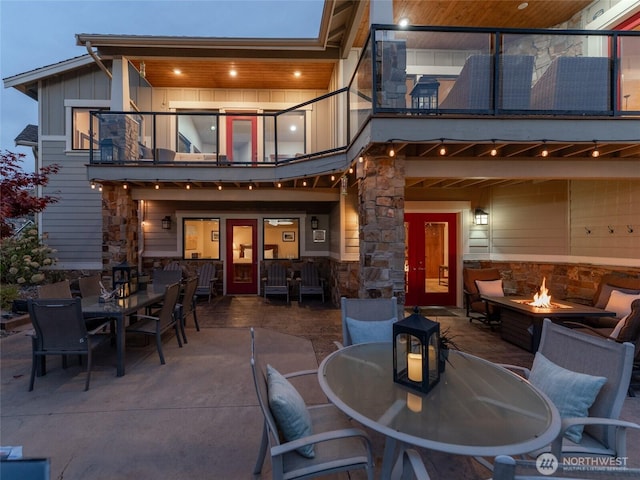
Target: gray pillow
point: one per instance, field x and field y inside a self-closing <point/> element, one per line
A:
<point x="364" y="331"/>
<point x="605" y="293"/>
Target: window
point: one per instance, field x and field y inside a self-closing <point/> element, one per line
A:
<point x="80" y="127"/>
<point x="291" y="135"/>
<point x="201" y="238"/>
<point x="281" y="238"/>
<point x="197" y="133"/>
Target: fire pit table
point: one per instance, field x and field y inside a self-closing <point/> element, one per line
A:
<point x="521" y="323"/>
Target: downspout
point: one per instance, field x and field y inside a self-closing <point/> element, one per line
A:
<point x="97" y="60"/>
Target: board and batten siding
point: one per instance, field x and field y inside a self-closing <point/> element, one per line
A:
<point x="602" y="214"/>
<point x="73" y="225"/>
<point x="530" y="219"/>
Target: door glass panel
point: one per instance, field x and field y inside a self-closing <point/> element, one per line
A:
<point x="436" y="235"/>
<point x="243" y="254"/>
<point x="242" y="143"/>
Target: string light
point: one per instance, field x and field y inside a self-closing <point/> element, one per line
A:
<point x="443" y="149"/>
<point x="188" y="186"/>
<point x="545" y="152"/>
<point x="391" y="152"/>
<point x="360" y="159"/>
<point x="279" y="185"/>
<point x="100" y="188"/>
<point x="93" y="186"/>
<point x="157" y="186"/>
<point x="125" y="186"/>
<point x="595" y="153"/>
<point x="350" y="169"/>
<point x="494" y="150"/>
<point x="219" y="187"/>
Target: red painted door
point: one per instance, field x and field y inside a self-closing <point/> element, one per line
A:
<point x="242" y="139"/>
<point x="430" y="258"/>
<point x="242" y="257"/>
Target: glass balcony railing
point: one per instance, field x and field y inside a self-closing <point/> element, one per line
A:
<point x="408" y="72"/>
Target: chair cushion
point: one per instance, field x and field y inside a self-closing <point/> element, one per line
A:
<point x="490" y="288"/>
<point x="363" y="331"/>
<point x="605" y="293"/>
<point x="289" y="410"/>
<point x="618" y="328"/>
<point x="571" y="392"/>
<point x="630" y="330"/>
<point x="620" y="303"/>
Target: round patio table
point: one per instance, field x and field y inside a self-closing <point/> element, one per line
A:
<point x="478" y="408"/>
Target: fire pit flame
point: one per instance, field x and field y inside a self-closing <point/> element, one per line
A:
<point x="542" y="299"/>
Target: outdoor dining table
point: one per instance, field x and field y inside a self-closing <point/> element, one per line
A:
<point x="119" y="310"/>
<point x="478" y="408"/>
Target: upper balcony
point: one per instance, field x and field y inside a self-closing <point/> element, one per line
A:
<point x="416" y="87"/>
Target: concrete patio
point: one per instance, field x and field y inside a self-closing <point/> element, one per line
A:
<point x="197" y="416"/>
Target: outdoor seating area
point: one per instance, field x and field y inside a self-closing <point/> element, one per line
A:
<point x="206" y="398"/>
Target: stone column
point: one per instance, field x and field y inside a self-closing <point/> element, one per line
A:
<point x="382" y="234"/>
<point x="119" y="228"/>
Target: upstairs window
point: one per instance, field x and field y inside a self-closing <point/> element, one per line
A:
<point x="80" y="127"/>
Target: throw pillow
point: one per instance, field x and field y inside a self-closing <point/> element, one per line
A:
<point x="571" y="392"/>
<point x="605" y="293"/>
<point x="620" y="303"/>
<point x="490" y="288"/>
<point x="616" y="331"/>
<point x="363" y="331"/>
<point x="289" y="410"/>
<point x="631" y="328"/>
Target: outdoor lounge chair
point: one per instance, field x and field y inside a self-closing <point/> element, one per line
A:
<point x="310" y="282"/>
<point x="155" y="326"/>
<point x="337" y="445"/>
<point x="206" y="280"/>
<point x="188" y="303"/>
<point x="604" y="434"/>
<point x="60" y="329"/>
<point x="276" y="282"/>
<point x="90" y="286"/>
<point x="477" y="308"/>
<point x="367" y="319"/>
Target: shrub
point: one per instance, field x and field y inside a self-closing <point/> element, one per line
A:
<point x="24" y="260"/>
<point x="8" y="294"/>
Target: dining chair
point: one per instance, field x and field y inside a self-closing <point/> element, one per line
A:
<point x="60" y="289"/>
<point x="188" y="302"/>
<point x="155" y="326"/>
<point x="90" y="286"/>
<point x="60" y="329"/>
<point x="310" y="282"/>
<point x="329" y="441"/>
<point x="587" y="378"/>
<point x="276" y="282"/>
<point x="206" y="280"/>
<point x="367" y="320"/>
<point x="25" y="469"/>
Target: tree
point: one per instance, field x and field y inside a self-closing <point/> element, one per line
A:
<point x="17" y="198"/>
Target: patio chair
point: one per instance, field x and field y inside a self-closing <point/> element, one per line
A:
<point x="310" y="281"/>
<point x="367" y="320"/>
<point x="25" y="468"/>
<point x="206" y="280"/>
<point x="602" y="362"/>
<point x="276" y="282"/>
<point x="60" y="329"/>
<point x="188" y="303"/>
<point x="330" y="442"/>
<point x="55" y="290"/>
<point x="477" y="308"/>
<point x="155" y="326"/>
<point x="90" y="286"/>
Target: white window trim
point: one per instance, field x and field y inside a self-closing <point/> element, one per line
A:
<point x="69" y="105"/>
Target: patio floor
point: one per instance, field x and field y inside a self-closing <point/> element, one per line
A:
<point x="197" y="416"/>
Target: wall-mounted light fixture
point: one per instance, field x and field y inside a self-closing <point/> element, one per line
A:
<point x="314" y="223"/>
<point x="166" y="223"/>
<point x="344" y="185"/>
<point x="481" y="217"/>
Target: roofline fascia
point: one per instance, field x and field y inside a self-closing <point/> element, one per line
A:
<point x="48" y="71"/>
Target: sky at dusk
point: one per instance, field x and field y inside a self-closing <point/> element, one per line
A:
<point x="34" y="34"/>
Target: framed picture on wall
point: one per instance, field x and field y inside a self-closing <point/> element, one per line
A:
<point x="319" y="236"/>
<point x="288" y="236"/>
<point x="215" y="236"/>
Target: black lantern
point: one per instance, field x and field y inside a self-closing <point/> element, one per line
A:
<point x="416" y="345"/>
<point x="123" y="279"/>
<point x="108" y="150"/>
<point x="314" y="223"/>
<point x="424" y="95"/>
<point x="166" y="223"/>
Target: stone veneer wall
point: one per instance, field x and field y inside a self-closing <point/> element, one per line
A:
<point x="565" y="281"/>
<point x="381" y="219"/>
<point x="119" y="228"/>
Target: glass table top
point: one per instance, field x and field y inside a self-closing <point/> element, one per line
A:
<point x="477" y="408"/>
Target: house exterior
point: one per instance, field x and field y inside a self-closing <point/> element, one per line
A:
<point x="369" y="152"/>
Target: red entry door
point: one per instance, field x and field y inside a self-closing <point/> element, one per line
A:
<point x="430" y="258"/>
<point x="242" y="139"/>
<point x="242" y="257"/>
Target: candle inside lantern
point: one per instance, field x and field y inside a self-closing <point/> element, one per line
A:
<point x="414" y="364"/>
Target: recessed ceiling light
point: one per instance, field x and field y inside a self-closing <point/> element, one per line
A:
<point x="293" y="128"/>
<point x="177" y="71"/>
<point x="213" y="127"/>
<point x="233" y="73"/>
<point x="523" y="5"/>
<point x="403" y="22"/>
<point x="296" y="74"/>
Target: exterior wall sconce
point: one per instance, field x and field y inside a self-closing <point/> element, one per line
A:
<point x="344" y="185"/>
<point x="314" y="223"/>
<point x="481" y="217"/>
<point x="166" y="223"/>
